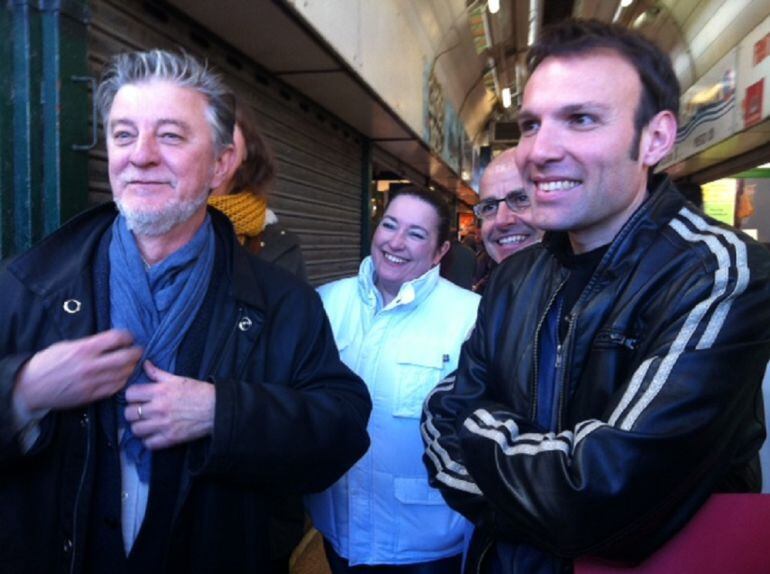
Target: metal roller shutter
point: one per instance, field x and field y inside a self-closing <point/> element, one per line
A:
<point x="318" y="189"/>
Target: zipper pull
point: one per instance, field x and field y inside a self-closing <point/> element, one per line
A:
<point x="558" y="355"/>
<point x="622" y="340"/>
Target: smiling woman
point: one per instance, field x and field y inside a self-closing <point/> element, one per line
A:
<point x="410" y="240"/>
<point x="392" y="328"/>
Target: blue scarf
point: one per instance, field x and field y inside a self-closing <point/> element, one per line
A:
<point x="157" y="306"/>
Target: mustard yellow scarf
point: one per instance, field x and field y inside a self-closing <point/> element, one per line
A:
<point x="245" y="210"/>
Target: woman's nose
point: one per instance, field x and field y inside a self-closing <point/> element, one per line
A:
<point x="397" y="240"/>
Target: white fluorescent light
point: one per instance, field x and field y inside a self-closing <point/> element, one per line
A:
<point x="535" y="17"/>
<point x="622" y="6"/>
<point x="494" y="6"/>
<point x="506" y="97"/>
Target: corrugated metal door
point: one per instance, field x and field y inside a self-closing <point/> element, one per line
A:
<point x="318" y="189"/>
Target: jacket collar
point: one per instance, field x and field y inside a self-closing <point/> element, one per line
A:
<point x="65" y="254"/>
<point x="247" y="285"/>
<point x="663" y="202"/>
<point x="411" y="292"/>
<point x="73" y="248"/>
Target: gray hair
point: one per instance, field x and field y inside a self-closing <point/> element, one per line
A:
<point x="181" y="69"/>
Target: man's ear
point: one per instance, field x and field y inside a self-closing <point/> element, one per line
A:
<point x="225" y="166"/>
<point x="658" y="138"/>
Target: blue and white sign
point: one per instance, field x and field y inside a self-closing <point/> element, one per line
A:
<point x="708" y="113"/>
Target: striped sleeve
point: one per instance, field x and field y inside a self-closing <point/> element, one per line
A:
<point x="445" y="467"/>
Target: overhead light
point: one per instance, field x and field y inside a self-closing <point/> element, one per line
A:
<point x="535" y="18"/>
<point x="506" y="97"/>
<point x="714" y="27"/>
<point x="494" y="6"/>
<point x="622" y="6"/>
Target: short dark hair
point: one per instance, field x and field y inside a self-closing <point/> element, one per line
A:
<point x="257" y="171"/>
<point x="436" y="201"/>
<point x="660" y="87"/>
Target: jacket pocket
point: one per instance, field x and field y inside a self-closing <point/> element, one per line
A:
<point x="419" y="370"/>
<point x="427" y="528"/>
<point x="416" y="491"/>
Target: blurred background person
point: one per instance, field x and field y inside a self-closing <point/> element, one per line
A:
<point x="459" y="263"/>
<point x="399" y="326"/>
<point x="505" y="214"/>
<point x="243" y="197"/>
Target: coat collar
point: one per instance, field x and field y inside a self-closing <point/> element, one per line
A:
<point x="66" y="254"/>
<point x="72" y="249"/>
<point x="411" y="292"/>
<point x="642" y="227"/>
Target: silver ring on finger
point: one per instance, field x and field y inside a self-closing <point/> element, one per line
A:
<point x="139" y="411"/>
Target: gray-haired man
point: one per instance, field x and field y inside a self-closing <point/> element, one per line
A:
<point x="149" y="412"/>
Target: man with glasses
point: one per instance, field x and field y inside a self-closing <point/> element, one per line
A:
<point x="612" y="381"/>
<point x="505" y="214"/>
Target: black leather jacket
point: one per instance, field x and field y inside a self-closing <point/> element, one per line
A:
<point x="290" y="417"/>
<point x="660" y="374"/>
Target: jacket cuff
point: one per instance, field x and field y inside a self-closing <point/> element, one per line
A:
<point x="204" y="457"/>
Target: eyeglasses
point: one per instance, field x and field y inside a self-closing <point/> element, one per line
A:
<point x="516" y="200"/>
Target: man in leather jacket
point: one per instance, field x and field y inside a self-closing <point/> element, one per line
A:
<point x="159" y="385"/>
<point x="612" y="382"/>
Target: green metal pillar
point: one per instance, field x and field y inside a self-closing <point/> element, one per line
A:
<point x="44" y="118"/>
<point x="6" y="128"/>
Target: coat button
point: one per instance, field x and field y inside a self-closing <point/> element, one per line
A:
<point x="261" y="243"/>
<point x="244" y="324"/>
<point x="84" y="420"/>
<point x="67" y="545"/>
<point x="72" y="306"/>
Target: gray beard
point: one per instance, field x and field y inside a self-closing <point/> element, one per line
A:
<point x="157" y="223"/>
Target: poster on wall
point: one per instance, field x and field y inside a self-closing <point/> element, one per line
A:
<point x="753" y="68"/>
<point x="719" y="199"/>
<point x="707" y="112"/>
<point x="752" y="103"/>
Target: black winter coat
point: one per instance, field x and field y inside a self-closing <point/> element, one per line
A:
<point x="279" y="246"/>
<point x="659" y="380"/>
<point x="290" y="417"/>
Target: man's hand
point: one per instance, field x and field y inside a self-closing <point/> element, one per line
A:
<point x="74" y="373"/>
<point x="171" y="410"/>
